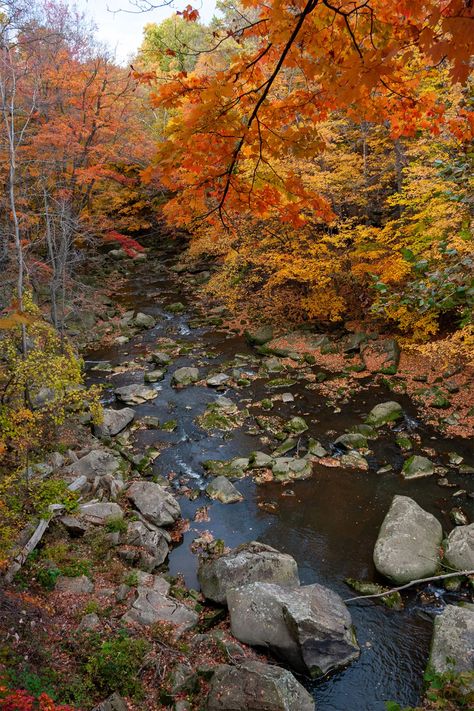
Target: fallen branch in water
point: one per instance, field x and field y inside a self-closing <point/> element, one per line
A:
<point x="409" y="585"/>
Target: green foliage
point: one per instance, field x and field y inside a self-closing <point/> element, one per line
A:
<point x="116" y="525"/>
<point x="450" y="691"/>
<point x="116" y="664"/>
<point x="52" y="491"/>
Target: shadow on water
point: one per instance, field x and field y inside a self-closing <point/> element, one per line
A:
<point x="331" y="522"/>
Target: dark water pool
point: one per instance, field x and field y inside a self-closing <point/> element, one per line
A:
<point x="331" y="522"/>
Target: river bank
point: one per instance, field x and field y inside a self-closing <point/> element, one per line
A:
<point x="327" y="522"/>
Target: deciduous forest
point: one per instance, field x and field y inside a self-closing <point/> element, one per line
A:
<point x="237" y="358"/>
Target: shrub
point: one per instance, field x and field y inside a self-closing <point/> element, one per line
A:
<point x="116" y="664"/>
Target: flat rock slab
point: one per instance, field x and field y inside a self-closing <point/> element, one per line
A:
<point x="114" y="421"/>
<point x="221" y="489"/>
<point x="408" y="544"/>
<point x="74" y="586"/>
<point x="101" y="512"/>
<point x="247" y="563"/>
<point x="254" y="686"/>
<point x="152" y="606"/>
<point x="459" y="550"/>
<point x="452" y="648"/>
<point x="416" y="467"/>
<point x="310" y="628"/>
<point x="217" y="380"/>
<point x="135" y="394"/>
<point x="154" y="502"/>
<point x="96" y="463"/>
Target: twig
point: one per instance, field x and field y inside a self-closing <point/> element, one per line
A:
<point x="408" y="585"/>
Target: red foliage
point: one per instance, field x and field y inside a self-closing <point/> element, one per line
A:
<point x="20" y="700"/>
<point x="129" y="245"/>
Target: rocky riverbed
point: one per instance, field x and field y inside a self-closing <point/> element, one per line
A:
<point x="241" y="468"/>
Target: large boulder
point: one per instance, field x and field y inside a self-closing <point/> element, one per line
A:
<point x="408" y="544"/>
<point x="247" y="563"/>
<point x="185" y="376"/>
<point x="96" y="463"/>
<point x="383" y="413"/>
<point x="154" y="502"/>
<point x="309" y="628"/>
<point x="254" y="686"/>
<point x="114" y="421"/>
<point x="152" y="544"/>
<point x="151" y="606"/>
<point x="452" y="646"/>
<point x="459" y="549"/>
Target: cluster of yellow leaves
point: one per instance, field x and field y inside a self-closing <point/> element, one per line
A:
<point x="38" y="387"/>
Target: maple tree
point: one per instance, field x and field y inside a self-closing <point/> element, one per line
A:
<point x="294" y="64"/>
<point x="295" y="150"/>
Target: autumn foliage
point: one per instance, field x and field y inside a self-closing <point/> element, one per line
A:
<point x="320" y="152"/>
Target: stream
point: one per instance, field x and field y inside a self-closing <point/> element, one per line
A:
<point x="331" y="522"/>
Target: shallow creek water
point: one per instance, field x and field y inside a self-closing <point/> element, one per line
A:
<point x="330" y="524"/>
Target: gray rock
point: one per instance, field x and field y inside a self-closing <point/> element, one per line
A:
<point x="459" y="550"/>
<point x="384" y="413"/>
<point x="112" y="703"/>
<point x="452" y="646"/>
<point x="96" y="463"/>
<point x="261" y="460"/>
<point x="185" y="376"/>
<point x="157" y="582"/>
<point x="297" y="425"/>
<point x="151" y="606"/>
<point x="88" y="623"/>
<point x="289" y="468"/>
<point x="352" y="440"/>
<point x="354" y="342"/>
<point x="259" y="336"/>
<point x="216" y="380"/>
<point x="142" y="320"/>
<point x="99" y="513"/>
<point x="79" y="484"/>
<point x="309" y="628"/>
<point x="154" y="502"/>
<point x="153" y="376"/>
<point x="154" y="541"/>
<point x="135" y="394"/>
<point x="221" y="489"/>
<point x="408" y="543"/>
<point x="74" y="526"/>
<point x="247" y="563"/>
<point x="161" y="358"/>
<point x="416" y="467"/>
<point x="316" y="449"/>
<point x="74" y="586"/>
<point x="114" y="421"/>
<point x="57" y="460"/>
<point x="254" y="686"/>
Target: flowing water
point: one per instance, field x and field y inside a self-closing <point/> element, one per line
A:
<point x="331" y="522"/>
